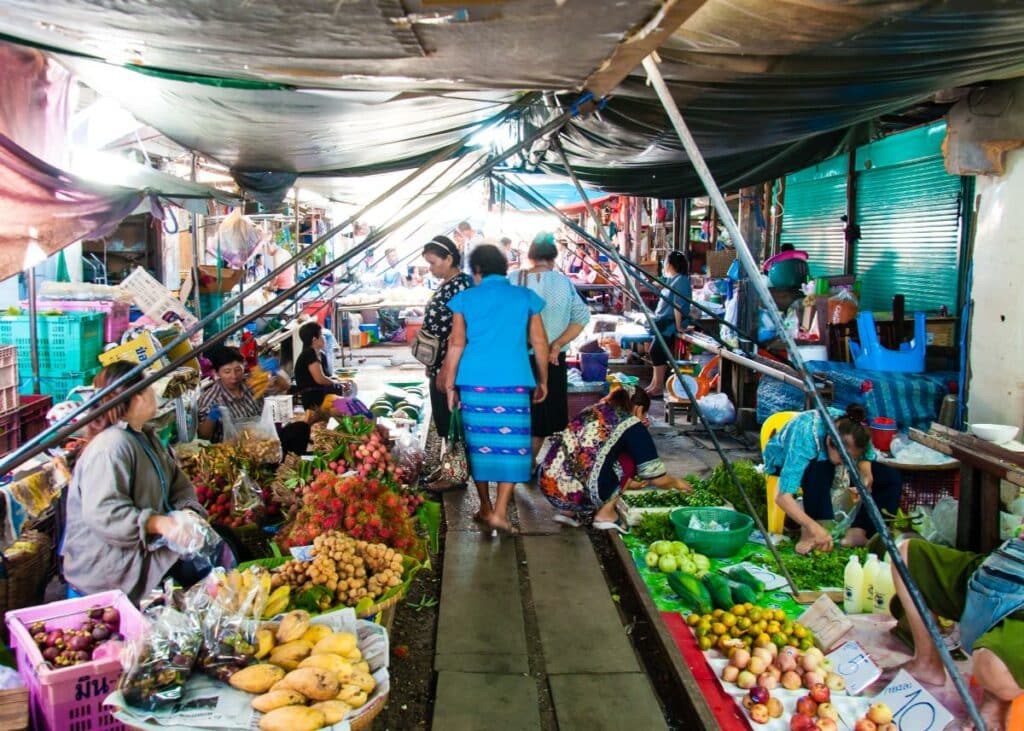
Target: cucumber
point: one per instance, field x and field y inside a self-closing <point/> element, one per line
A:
<point x="718" y="588"/>
<point x="690" y="591"/>
<point x="745" y="577"/>
<point x="741" y="593"/>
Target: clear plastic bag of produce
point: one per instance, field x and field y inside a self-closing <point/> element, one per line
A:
<point x="161" y="660"/>
<point x="227" y="604"/>
<point x="245" y="494"/>
<point x="236" y="240"/>
<point x="259" y="436"/>
<point x="944" y="519"/>
<point x="408" y="457"/>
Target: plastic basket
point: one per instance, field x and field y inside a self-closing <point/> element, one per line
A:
<point x="116" y="314"/>
<point x="70" y="699"/>
<point x="32" y="414"/>
<point x="10" y="432"/>
<point x="8" y="378"/>
<point x="714" y="544"/>
<point x="67" y="343"/>
<point x="58" y="386"/>
<point x="927" y="487"/>
<point x="210" y="302"/>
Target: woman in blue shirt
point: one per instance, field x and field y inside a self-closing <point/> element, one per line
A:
<point x="670" y="317"/>
<point x="804" y="456"/>
<point x="488" y="368"/>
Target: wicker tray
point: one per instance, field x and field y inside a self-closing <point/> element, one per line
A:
<point x="369" y="713"/>
<point x="26" y="575"/>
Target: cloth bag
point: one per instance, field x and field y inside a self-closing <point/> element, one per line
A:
<point x="426" y="348"/>
<point x="454" y="463"/>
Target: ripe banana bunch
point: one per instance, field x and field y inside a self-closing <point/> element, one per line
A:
<point x="245" y="591"/>
<point x="277" y="602"/>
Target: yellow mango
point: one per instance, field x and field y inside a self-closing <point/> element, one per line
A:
<point x="256" y="678"/>
<point x="293" y="718"/>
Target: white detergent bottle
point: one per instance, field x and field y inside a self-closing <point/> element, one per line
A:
<point x="871" y="568"/>
<point x="884" y="588"/>
<point x="853" y="585"/>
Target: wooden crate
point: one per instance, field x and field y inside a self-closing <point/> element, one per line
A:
<point x="14" y="709"/>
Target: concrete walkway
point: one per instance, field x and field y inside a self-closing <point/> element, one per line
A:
<point x="529" y="636"/>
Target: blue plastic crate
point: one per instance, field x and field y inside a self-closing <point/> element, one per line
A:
<point x="68" y="343"/>
<point x="58" y="386"/>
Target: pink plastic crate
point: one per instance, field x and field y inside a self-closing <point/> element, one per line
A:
<point x="114" y="324"/>
<point x="70" y="699"/>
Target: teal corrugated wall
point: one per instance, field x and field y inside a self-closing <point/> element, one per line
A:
<point x="908" y="209"/>
<point x="814" y="200"/>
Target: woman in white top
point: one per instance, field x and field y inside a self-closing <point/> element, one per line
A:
<point x="565" y="314"/>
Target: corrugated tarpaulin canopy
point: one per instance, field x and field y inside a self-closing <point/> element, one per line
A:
<point x="309" y="87"/>
<point x="40" y="200"/>
<point x="770" y="86"/>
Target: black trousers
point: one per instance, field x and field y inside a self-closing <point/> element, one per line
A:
<point x="886" y="489"/>
<point x="441" y="414"/>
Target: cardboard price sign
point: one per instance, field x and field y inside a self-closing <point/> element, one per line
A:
<point x="827" y="621"/>
<point x="913" y="707"/>
<point x="855" y="666"/>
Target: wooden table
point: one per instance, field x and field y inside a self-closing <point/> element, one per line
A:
<point x="983" y="465"/>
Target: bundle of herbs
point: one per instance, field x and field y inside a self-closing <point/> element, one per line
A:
<point x="750" y="479"/>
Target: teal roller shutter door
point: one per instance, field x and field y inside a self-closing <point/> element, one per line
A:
<point x="814" y="200"/>
<point x="909" y="216"/>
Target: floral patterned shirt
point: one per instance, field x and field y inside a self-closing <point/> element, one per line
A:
<point x="437" y="319"/>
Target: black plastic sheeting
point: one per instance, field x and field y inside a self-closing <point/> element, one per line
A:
<point x="769" y="86"/>
<point x="342" y="44"/>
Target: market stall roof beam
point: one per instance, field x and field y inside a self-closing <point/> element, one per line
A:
<point x="749" y="265"/>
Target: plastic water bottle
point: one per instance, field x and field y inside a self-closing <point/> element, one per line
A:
<point x="871" y="568"/>
<point x="884" y="588"/>
<point x="853" y="585"/>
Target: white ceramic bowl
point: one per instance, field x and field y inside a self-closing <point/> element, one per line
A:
<point x="996" y="433"/>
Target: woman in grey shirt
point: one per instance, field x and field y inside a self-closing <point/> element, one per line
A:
<point x="123" y="491"/>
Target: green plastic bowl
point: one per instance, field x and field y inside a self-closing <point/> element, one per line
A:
<point x="714" y="544"/>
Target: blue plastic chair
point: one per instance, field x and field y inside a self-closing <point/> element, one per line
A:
<point x="870" y="355"/>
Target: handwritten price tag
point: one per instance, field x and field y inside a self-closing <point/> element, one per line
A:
<point x="855" y="666"/>
<point x="827" y="621"/>
<point x="913" y="707"/>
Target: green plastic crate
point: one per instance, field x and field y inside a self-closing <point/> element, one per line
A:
<point x="68" y="343"/>
<point x="210" y="302"/>
<point x="58" y="386"/>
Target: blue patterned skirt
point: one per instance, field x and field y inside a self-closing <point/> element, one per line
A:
<point x="497" y="427"/>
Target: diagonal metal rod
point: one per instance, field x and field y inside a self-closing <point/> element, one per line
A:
<point x="750" y="265"/>
<point x="655" y="283"/>
<point x="631" y="282"/>
<point x="65" y="427"/>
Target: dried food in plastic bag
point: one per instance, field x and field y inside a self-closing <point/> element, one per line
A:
<point x="161" y="660"/>
<point x="229" y="632"/>
<point x="245" y="494"/>
<point x="408" y="457"/>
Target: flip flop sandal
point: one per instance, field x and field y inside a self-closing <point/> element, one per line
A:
<point x="566" y="520"/>
<point x="610" y="525"/>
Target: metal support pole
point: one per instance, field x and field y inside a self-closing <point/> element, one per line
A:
<point x="33" y="326"/>
<point x="298" y="243"/>
<point x="194" y="232"/>
<point x="661" y="342"/>
<point x="749" y="264"/>
<point x="66" y="426"/>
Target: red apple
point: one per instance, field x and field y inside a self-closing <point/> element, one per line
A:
<point x="879" y="713"/>
<point x="730" y="673"/>
<point x="774" y="672"/>
<point x="763" y="653"/>
<point x="775" y="707"/>
<point x="827" y="724"/>
<point x="759" y="694"/>
<point x="865" y="724"/>
<point x="759" y="713"/>
<point x="740" y="658"/>
<point x="807" y="706"/>
<point x="809" y="662"/>
<point x="888" y="727"/>
<point x="820" y="693"/>
<point x="800" y="722"/>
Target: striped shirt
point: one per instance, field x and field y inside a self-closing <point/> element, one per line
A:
<point x="246" y="406"/>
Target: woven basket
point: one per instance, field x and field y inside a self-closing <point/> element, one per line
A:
<point x="25" y="575"/>
<point x="382" y="609"/>
<point x="369" y="713"/>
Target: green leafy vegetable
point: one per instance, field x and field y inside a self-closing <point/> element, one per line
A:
<point x="655" y="527"/>
<point x="750" y="479"/>
<point x="816" y="570"/>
